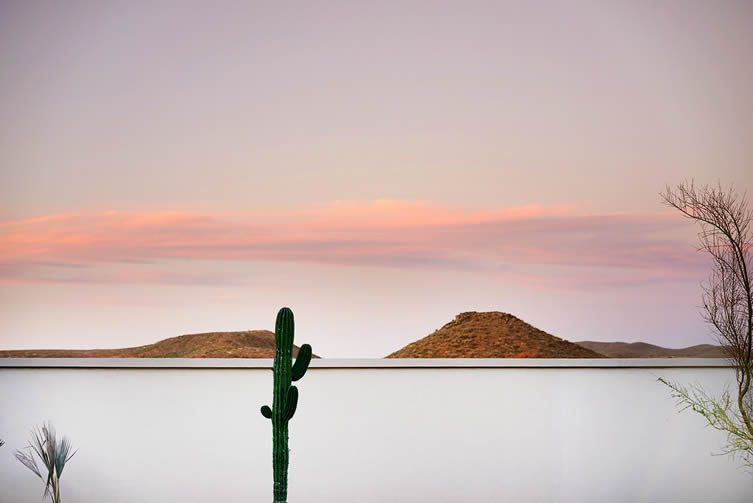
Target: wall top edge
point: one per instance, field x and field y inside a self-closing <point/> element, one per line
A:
<point x="377" y="363"/>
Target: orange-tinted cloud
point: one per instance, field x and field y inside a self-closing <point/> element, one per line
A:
<point x="403" y="234"/>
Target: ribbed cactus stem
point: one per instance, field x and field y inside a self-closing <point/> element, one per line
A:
<point x="285" y="397"/>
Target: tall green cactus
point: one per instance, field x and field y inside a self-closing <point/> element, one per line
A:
<point x="285" y="397"/>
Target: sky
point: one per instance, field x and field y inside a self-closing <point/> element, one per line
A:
<point x="182" y="167"/>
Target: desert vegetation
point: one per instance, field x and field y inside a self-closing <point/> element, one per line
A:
<point x="285" y="398"/>
<point x="53" y="453"/>
<point x="727" y="237"/>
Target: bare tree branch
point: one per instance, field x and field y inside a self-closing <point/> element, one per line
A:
<point x="726" y="234"/>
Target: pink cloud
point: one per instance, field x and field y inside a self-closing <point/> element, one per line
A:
<point x="404" y="234"/>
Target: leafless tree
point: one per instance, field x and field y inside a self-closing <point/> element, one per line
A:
<point x="726" y="234"/>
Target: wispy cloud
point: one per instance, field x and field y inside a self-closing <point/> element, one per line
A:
<point x="139" y="247"/>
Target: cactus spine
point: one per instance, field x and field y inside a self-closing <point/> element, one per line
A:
<point x="285" y="398"/>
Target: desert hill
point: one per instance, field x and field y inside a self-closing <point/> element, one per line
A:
<point x="492" y="335"/>
<point x="248" y="344"/>
<point x="645" y="350"/>
<point x="469" y="335"/>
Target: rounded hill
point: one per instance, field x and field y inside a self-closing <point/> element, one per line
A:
<point x="491" y="335"/>
<point x="246" y="344"/>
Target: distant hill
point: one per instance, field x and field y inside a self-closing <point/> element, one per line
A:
<point x="645" y="350"/>
<point x="492" y="335"/>
<point x="469" y="335"/>
<point x="249" y="344"/>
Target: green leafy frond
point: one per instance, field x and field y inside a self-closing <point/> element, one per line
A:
<point x="720" y="413"/>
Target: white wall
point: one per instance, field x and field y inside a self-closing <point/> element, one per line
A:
<point x="372" y="435"/>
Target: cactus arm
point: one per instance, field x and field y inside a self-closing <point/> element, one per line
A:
<point x="266" y="412"/>
<point x="301" y="364"/>
<point x="291" y="402"/>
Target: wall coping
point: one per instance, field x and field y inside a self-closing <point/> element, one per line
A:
<point x="375" y="363"/>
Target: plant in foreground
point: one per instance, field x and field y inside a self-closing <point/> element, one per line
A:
<point x="726" y="235"/>
<point x="53" y="454"/>
<point x="285" y="397"/>
<point x="721" y="414"/>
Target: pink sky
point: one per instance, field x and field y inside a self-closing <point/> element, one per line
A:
<point x="179" y="167"/>
<point x="399" y="234"/>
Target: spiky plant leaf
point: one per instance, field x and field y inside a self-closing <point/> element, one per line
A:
<point x="38" y="447"/>
<point x="63" y="455"/>
<point x="50" y="442"/>
<point x="29" y="462"/>
<point x="52" y="453"/>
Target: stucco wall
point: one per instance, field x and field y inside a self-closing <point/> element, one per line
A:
<point x="369" y="434"/>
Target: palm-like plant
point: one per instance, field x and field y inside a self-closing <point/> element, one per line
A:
<point x="53" y="454"/>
